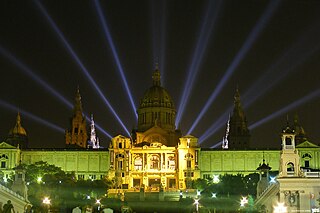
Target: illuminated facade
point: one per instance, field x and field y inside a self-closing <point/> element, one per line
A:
<point x="296" y="188"/>
<point x="156" y="156"/>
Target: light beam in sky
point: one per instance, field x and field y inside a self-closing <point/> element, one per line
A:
<point x="31" y="74"/>
<point x="309" y="97"/>
<point x="41" y="82"/>
<point x="78" y="61"/>
<point x="206" y="31"/>
<point x="293" y="57"/>
<point x="115" y="54"/>
<point x="158" y="13"/>
<point x="296" y="55"/>
<point x="32" y="116"/>
<point x="262" y="22"/>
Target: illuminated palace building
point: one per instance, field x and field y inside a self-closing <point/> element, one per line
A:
<point x="156" y="156"/>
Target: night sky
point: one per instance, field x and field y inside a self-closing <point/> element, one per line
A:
<point x="269" y="50"/>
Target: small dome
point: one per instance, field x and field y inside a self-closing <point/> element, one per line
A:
<point x="18" y="129"/>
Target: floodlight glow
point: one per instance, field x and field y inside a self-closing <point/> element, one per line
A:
<point x="30" y="115"/>
<point x="115" y="54"/>
<point x="196" y="201"/>
<point x="39" y="179"/>
<point x="238" y="58"/>
<point x="46" y="200"/>
<point x="216" y="179"/>
<point x="206" y="30"/>
<point x="78" y="61"/>
<point x="198" y="193"/>
<point x="272" y="179"/>
<point x="214" y="195"/>
<point x="98" y="201"/>
<point x="243" y="201"/>
<point x="280" y="208"/>
<point x="293" y="105"/>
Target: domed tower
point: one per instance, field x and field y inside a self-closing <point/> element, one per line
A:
<point x="263" y="177"/>
<point x="156" y="111"/>
<point x="17" y="135"/>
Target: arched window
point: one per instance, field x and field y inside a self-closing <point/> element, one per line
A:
<point x="290" y="167"/>
<point x="306" y="157"/>
<point x="3" y="161"/>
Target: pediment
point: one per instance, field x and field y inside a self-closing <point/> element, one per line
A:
<point x="4" y="145"/>
<point x="307" y="144"/>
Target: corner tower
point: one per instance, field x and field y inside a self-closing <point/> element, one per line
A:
<point x="156" y="115"/>
<point x="77" y="136"/>
<point x="17" y="135"/>
<point x="238" y="134"/>
<point x="289" y="157"/>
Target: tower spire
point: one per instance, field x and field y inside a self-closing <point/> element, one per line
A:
<point x="225" y="142"/>
<point x="77" y="135"/>
<point x="77" y="104"/>
<point x="156" y="77"/>
<point x="239" y="136"/>
<point x="93" y="137"/>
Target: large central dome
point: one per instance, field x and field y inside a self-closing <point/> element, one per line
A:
<point x="156" y="96"/>
<point x="156" y="107"/>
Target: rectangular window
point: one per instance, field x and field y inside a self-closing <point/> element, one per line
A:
<point x="120" y="165"/>
<point x="306" y="164"/>
<point x="3" y="164"/>
<point x="206" y="176"/>
<point x="188" y="163"/>
<point x="80" y="176"/>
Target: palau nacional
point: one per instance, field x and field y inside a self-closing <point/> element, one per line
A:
<point x="158" y="157"/>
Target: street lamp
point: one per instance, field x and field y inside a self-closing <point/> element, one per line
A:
<point x="98" y="203"/>
<point x="215" y="179"/>
<point x="196" y="202"/>
<point x="272" y="180"/>
<point x="214" y="195"/>
<point x="39" y="179"/>
<point x="280" y="208"/>
<point x="46" y="201"/>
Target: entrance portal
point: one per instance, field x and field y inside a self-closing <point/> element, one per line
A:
<point x="154" y="183"/>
